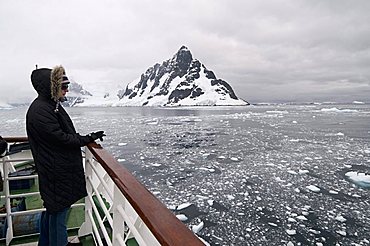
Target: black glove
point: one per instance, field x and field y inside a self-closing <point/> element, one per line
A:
<point x="3" y="147"/>
<point x="95" y="135"/>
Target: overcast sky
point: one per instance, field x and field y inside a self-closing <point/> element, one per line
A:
<point x="277" y="50"/>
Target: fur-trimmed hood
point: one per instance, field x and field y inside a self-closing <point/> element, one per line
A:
<point x="56" y="79"/>
<point x="48" y="82"/>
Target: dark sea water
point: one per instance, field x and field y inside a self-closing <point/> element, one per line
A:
<point x="256" y="175"/>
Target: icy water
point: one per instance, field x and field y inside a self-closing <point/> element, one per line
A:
<point x="256" y="175"/>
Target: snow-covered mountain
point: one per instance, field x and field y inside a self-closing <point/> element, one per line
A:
<point x="4" y="105"/>
<point x="179" y="81"/>
<point x="76" y="95"/>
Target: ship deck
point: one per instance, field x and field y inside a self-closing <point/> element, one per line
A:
<point x="118" y="210"/>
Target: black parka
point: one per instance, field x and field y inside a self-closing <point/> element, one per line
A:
<point x="55" y="146"/>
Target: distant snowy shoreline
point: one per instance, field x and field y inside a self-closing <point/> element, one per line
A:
<point x="91" y="104"/>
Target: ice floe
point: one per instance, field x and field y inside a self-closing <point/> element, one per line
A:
<point x="342" y="233"/>
<point x="156" y="164"/>
<point x="313" y="188"/>
<point x="277" y="112"/>
<point x="197" y="228"/>
<point x="316" y="232"/>
<point x="278" y="179"/>
<point x="211" y="170"/>
<point x="183" y="206"/>
<point x="291" y="232"/>
<point x="292" y="220"/>
<point x="210" y="202"/>
<point x="340" y="218"/>
<point x="182" y="217"/>
<point x="301" y="217"/>
<point x="155" y="122"/>
<point x="359" y="178"/>
<point x="230" y="197"/>
<point x="366" y="241"/>
<point x="292" y="172"/>
<point x="201" y="197"/>
<point x="303" y="171"/>
<point x="336" y="110"/>
<point x="358" y="102"/>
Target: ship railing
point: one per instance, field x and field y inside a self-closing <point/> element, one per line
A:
<point x="7" y="168"/>
<point x="119" y="210"/>
<point x="8" y="164"/>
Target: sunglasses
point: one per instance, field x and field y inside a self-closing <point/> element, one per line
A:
<point x="64" y="87"/>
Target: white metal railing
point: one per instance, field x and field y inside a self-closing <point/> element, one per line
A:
<point x="124" y="210"/>
<point x="118" y="209"/>
<point x="8" y="164"/>
<point x="7" y="168"/>
<point x="117" y="221"/>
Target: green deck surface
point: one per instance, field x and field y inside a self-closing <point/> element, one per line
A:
<point x="75" y="216"/>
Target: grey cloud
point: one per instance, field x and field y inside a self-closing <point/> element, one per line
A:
<point x="264" y="49"/>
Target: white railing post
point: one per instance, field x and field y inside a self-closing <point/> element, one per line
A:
<point x="8" y="206"/>
<point x="87" y="228"/>
<point x="118" y="222"/>
<point x="127" y="223"/>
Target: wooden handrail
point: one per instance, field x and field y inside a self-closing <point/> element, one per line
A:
<point x="15" y="139"/>
<point x="162" y="223"/>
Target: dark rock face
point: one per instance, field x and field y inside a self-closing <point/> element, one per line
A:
<point x="224" y="87"/>
<point x="177" y="95"/>
<point x="178" y="78"/>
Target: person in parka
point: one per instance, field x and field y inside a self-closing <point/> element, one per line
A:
<point x="56" y="149"/>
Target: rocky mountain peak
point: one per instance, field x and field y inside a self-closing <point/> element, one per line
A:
<point x="182" y="58"/>
<point x="181" y="80"/>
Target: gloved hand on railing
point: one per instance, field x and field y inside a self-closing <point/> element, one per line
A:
<point x="3" y="147"/>
<point x="97" y="135"/>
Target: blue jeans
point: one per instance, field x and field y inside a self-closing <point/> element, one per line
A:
<point x="53" y="229"/>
